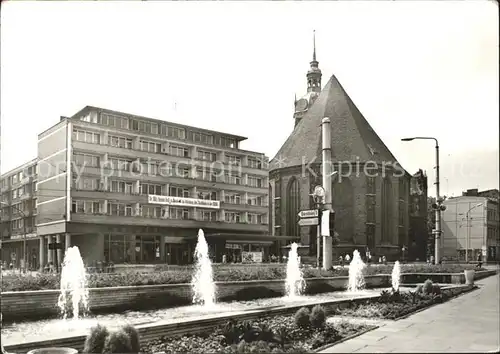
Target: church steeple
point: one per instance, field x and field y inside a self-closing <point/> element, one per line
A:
<point x="314" y="73"/>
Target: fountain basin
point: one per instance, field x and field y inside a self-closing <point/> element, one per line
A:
<point x="53" y="351"/>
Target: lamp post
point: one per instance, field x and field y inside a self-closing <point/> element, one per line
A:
<point x="467" y="240"/>
<point x="438" y="206"/>
<point x="24" y="233"/>
<point x="319" y="200"/>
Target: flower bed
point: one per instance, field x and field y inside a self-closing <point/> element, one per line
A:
<point x="393" y="304"/>
<point x="302" y="333"/>
<point x="20" y="282"/>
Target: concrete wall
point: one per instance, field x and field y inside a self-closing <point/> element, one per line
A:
<point x="43" y="303"/>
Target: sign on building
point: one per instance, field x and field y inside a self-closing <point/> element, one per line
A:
<point x="186" y="202"/>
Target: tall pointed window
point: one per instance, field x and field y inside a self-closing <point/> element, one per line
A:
<point x="293" y="207"/>
<point x="387" y="201"/>
<point x="371" y="216"/>
<point x="343" y="203"/>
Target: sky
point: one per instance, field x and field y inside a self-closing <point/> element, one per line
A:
<point x="412" y="68"/>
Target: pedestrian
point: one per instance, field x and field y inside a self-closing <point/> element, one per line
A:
<point x="369" y="258"/>
<point x="380" y="260"/>
<point x="341" y="261"/>
<point x="384" y="260"/>
<point x="432" y="259"/>
<point x="347" y="259"/>
<point x="479" y="260"/>
<point x="224" y="259"/>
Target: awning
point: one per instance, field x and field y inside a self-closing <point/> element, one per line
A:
<point x="251" y="237"/>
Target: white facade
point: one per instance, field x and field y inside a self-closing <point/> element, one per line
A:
<point x="470" y="223"/>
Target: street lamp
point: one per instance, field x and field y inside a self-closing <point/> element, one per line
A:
<point x="24" y="232"/>
<point x="319" y="199"/>
<point x="467" y="241"/>
<point x="438" y="206"/>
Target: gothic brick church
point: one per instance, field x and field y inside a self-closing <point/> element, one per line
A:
<point x="370" y="192"/>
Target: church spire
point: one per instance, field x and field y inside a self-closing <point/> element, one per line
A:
<point x="314" y="45"/>
<point x="314" y="73"/>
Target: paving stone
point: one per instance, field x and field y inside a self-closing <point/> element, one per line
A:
<point x="469" y="323"/>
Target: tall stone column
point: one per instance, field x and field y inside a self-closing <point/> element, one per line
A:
<point x="59" y="251"/>
<point x="67" y="240"/>
<point x="42" y="253"/>
<point x="50" y="254"/>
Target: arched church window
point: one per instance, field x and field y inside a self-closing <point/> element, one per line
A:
<point x="343" y="204"/>
<point x="387" y="203"/>
<point x="293" y="207"/>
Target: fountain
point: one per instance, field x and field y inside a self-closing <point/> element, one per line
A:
<point x="202" y="282"/>
<point x="73" y="284"/>
<point x="294" y="283"/>
<point x="356" y="278"/>
<point x="396" y="276"/>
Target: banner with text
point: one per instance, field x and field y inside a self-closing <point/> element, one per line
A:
<point x="186" y="202"/>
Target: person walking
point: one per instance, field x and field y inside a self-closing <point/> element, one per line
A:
<point x="479" y="260"/>
<point x="347" y="259"/>
<point x="341" y="261"/>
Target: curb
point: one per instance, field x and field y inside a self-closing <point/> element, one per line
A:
<point x="352" y="336"/>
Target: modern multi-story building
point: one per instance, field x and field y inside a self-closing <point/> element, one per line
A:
<point x="17" y="215"/>
<point x="130" y="189"/>
<point x="471" y="222"/>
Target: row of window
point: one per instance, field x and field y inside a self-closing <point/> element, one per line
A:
<point x="23" y="190"/>
<point x="18" y="176"/>
<point x="155" y="147"/>
<point x="122" y="209"/>
<point x="121" y="164"/>
<point x="170" y="131"/>
<point x="117" y="186"/>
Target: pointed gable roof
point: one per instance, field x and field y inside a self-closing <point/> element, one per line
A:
<point x="352" y="135"/>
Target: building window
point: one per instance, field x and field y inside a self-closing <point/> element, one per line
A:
<point x="207" y="155"/>
<point x="18" y="224"/>
<point x="233" y="178"/>
<point x="255" y="182"/>
<point x="370" y="185"/>
<point x="150" y="146"/>
<point x="119" y="164"/>
<point x="120" y="142"/>
<point x="149" y="211"/>
<point x="178" y="151"/>
<point x="114" y="121"/>
<point x="173" y="132"/>
<point x="86" y="136"/>
<point x="86" y="207"/>
<point x="206" y="174"/>
<point x="121" y="187"/>
<point x="254" y="218"/>
<point x="207" y="195"/>
<point x="154" y="189"/>
<point x="86" y="183"/>
<point x="119" y="209"/>
<point x="387" y="200"/>
<point x="233" y="217"/>
<point x="199" y="137"/>
<point x="233" y="160"/>
<point x="232" y="198"/>
<point x="86" y="160"/>
<point x="178" y="192"/>
<point x="178" y="213"/>
<point x="254" y="162"/>
<point x="204" y="215"/>
<point x="255" y="200"/>
<point x="293" y="207"/>
<point x="370" y="209"/>
<point x="90" y="117"/>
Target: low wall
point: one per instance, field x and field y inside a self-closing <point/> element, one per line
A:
<point x="444" y="278"/>
<point x="43" y="303"/>
<point x="149" y="332"/>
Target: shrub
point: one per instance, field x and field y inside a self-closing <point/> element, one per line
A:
<point x="427" y="288"/>
<point x="118" y="342"/>
<point x="419" y="289"/>
<point x="134" y="337"/>
<point x="94" y="343"/>
<point x="436" y="289"/>
<point x="318" y="317"/>
<point x="301" y="318"/>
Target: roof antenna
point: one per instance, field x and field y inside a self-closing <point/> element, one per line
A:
<point x="314" y="45"/>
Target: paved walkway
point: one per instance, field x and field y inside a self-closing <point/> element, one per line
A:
<point x="467" y="324"/>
